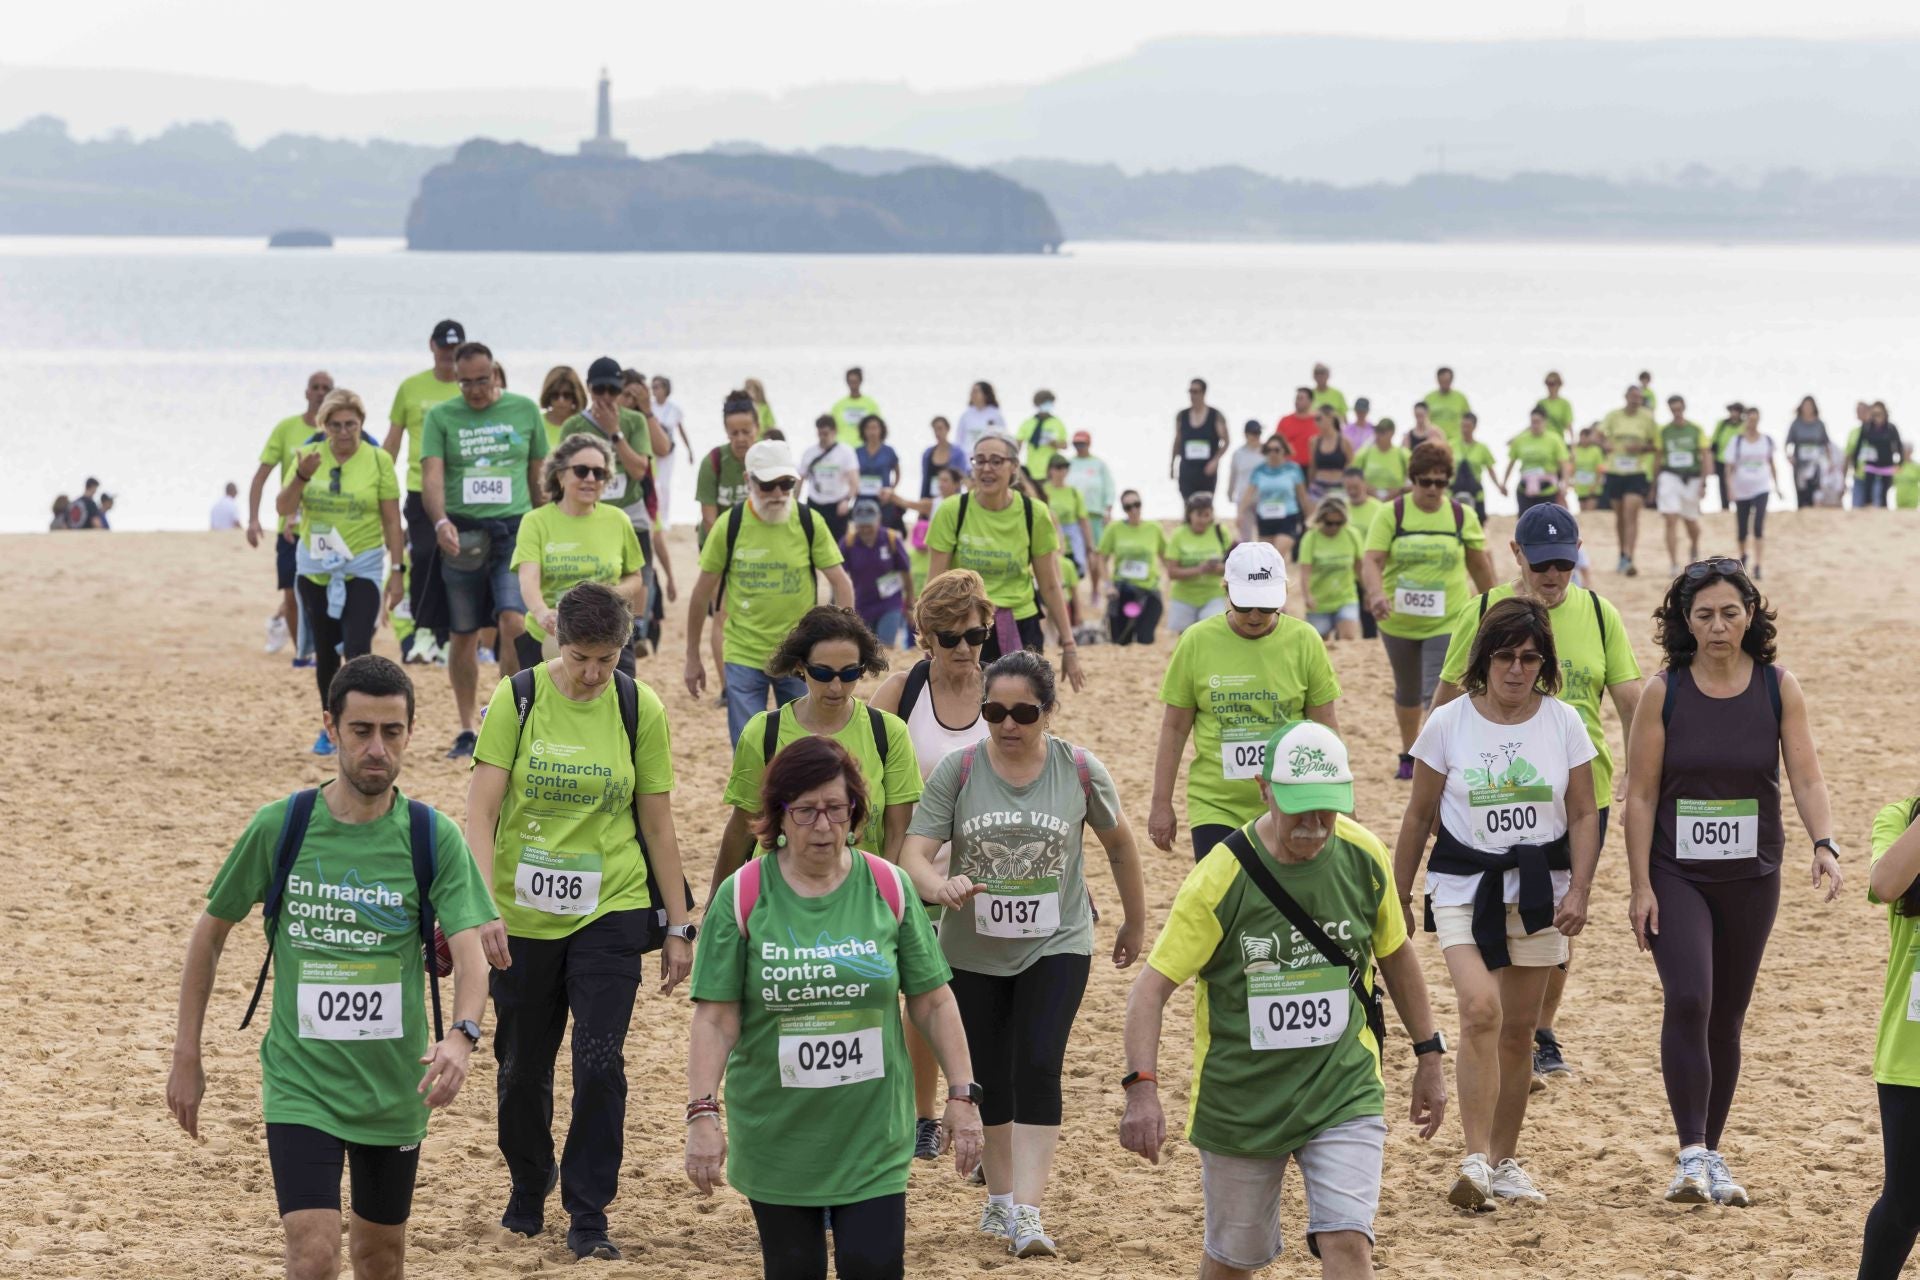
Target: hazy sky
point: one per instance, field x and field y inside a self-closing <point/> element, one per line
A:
<point x="352" y="45"/>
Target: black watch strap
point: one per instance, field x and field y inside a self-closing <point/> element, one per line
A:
<point x="1826" y="842"/>
<point x="1436" y="1045"/>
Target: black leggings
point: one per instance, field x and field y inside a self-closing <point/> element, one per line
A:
<point x="1712" y="936"/>
<point x="1125" y="630"/>
<point x="1751" y="509"/>
<point x="1017" y="1032"/>
<point x="869" y="1239"/>
<point x="352" y="630"/>
<point x="1895" y="1217"/>
<point x="1807" y="493"/>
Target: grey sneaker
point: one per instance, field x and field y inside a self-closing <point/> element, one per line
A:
<point x="926" y="1139"/>
<point x="1690" y="1184"/>
<point x="996" y="1220"/>
<point x="1510" y="1182"/>
<point x="1028" y="1239"/>
<point x="1721" y="1185"/>
<point x="1547" y="1059"/>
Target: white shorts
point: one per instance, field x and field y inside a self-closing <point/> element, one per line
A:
<point x="1340" y="1168"/>
<point x="1679" y="497"/>
<point x="1181" y="615"/>
<point x="1453" y="926"/>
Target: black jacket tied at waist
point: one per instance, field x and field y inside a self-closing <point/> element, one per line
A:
<point x="1535" y="861"/>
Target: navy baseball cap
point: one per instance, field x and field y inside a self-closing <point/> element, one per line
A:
<point x="1546" y="532"/>
<point x="604" y="372"/>
<point x="449" y="333"/>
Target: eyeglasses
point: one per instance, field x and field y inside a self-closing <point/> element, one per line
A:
<point x="1022" y="712"/>
<point x="1528" y="661"/>
<point x="1327" y="523"/>
<point x="1552" y="566"/>
<point x="982" y="461"/>
<point x="1724" y="566"/>
<point x="333" y="480"/>
<point x="809" y="815"/>
<point x="469" y="384"/>
<point x="581" y="471"/>
<point x="974" y="636"/>
<point x="1265" y="613"/>
<point x="1432" y="482"/>
<point x="784" y="484"/>
<point x="1272" y="448"/>
<point x="845" y="675"/>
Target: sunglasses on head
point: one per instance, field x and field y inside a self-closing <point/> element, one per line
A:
<point x="1551" y="566"/>
<point x="845" y="675"/>
<point x="1022" y="712"/>
<point x="581" y="471"/>
<point x="1724" y="566"/>
<point x="974" y="636"/>
<point x="784" y="484"/>
<point x="1432" y="482"/>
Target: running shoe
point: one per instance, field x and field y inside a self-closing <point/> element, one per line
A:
<point x="1757" y="574"/>
<point x="1028" y="1239"/>
<point x="1546" y="1056"/>
<point x="1630" y="570"/>
<point x="926" y="1139"/>
<point x="1624" y="565"/>
<point x="485" y="655"/>
<point x="1510" y="1182"/>
<point x="996" y="1220"/>
<point x="592" y="1242"/>
<point x="323" y="745"/>
<point x="978" y="1178"/>
<point x="463" y="745"/>
<point x="1538" y="1084"/>
<point x="277" y="636"/>
<point x="1721" y="1185"/>
<point x="1405" y="772"/>
<point x="1474" y="1187"/>
<point x="526" y="1213"/>
<point x="1690" y="1184"/>
<point x="304" y="664"/>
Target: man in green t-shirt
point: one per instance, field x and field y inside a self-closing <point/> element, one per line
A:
<point x="1596" y="656"/>
<point x="721" y="479"/>
<point x="1723" y="433"/>
<point x="287" y="436"/>
<point x="1631" y="436"/>
<point x="1559" y="412"/>
<point x="1232" y="679"/>
<point x="1445" y="407"/>
<point x="766" y="570"/>
<point x="1042" y="436"/>
<point x="1472" y="461"/>
<point x="1682" y="461"/>
<point x="1286" y="1050"/>
<point x="852" y="409"/>
<point x="1323" y="394"/>
<point x="405" y="422"/>
<point x="341" y="1060"/>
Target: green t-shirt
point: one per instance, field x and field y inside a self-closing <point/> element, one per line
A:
<point x="1476" y="456"/>
<point x="1590" y="664"/>
<point x="1385" y="469"/>
<point x="1896" y="1051"/>
<point x="722" y="488"/>
<point x="1680" y="446"/>
<point x="1444" y="409"/>
<point x="621" y="490"/>
<point x="1425" y="576"/>
<point x="1619" y="427"/>
<point x="1135" y="551"/>
<point x="1539" y="459"/>
<point x="895" y="780"/>
<point x="1025" y="845"/>
<point x="1335" y="397"/>
<point x="486" y="452"/>
<point x="1589" y="462"/>
<point x="566" y="847"/>
<point x="349" y="1025"/>
<point x="1361" y="515"/>
<point x="994" y="545"/>
<point x="769" y="585"/>
<point x="848" y="413"/>
<point x="820" y="1069"/>
<point x="1069" y="506"/>
<point x="1559" y="415"/>
<point x="600" y="546"/>
<point x="283" y="442"/>
<point x="1263" y="1084"/>
<point x="1041" y="441"/>
<point x="1240" y="691"/>
<point x="411" y="401"/>
<point x="346" y="519"/>
<point x="1723" y="432"/>
<point x="1906" y="486"/>
<point x="1188" y="549"/>
<point x="1330" y="571"/>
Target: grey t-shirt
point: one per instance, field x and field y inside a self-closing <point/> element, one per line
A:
<point x="1024" y="844"/>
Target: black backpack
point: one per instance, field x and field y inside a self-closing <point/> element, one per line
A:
<point x="770" y="741"/>
<point x="735" y="514"/>
<point x="1459" y="521"/>
<point x="960" y="522"/>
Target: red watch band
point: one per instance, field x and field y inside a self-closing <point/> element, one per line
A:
<point x="1135" y="1077"/>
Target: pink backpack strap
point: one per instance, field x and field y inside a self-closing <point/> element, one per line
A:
<point x="1086" y="774"/>
<point x="886" y="877"/>
<point x="966" y="765"/>
<point x="746" y="894"/>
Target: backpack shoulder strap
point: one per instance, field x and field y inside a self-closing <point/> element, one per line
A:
<point x="806" y="530"/>
<point x="1459" y="518"/>
<point x="713" y="460"/>
<point x="628" y="692"/>
<point x="966" y="765"/>
<point x="420" y="826"/>
<point x="770" y="738"/>
<point x="877" y="723"/>
<point x="1027" y="504"/>
<point x="1081" y="767"/>
<point x="1482" y="598"/>
<point x="293" y="830"/>
<point x="1399" y="511"/>
<point x="735" y="514"/>
<point x="1600" y="625"/>
<point x="960" y="521"/>
<point x="524" y="688"/>
<point x="1771" y="674"/>
<point x="916" y="685"/>
<point x="886" y="878"/>
<point x="746" y="892"/>
<point x="1220" y="535"/>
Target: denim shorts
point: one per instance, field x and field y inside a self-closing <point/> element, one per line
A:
<point x="283" y="561"/>
<point x="469" y="591"/>
<point x="1324" y="622"/>
<point x="1340" y="1167"/>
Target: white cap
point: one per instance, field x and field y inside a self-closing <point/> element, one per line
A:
<point x="1256" y="577"/>
<point x="771" y="459"/>
<point x="1308" y="769"/>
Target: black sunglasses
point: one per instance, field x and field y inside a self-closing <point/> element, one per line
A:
<point x="1022" y="712"/>
<point x="610" y="388"/>
<point x="845" y="675"/>
<point x="1725" y="566"/>
<point x="333" y="480"/>
<point x="784" y="484"/>
<point x="975" y="636"/>
<point x="581" y="471"/>
<point x="1129" y="506"/>
<point x="1265" y="613"/>
<point x="1554" y="566"/>
<point x="1432" y="482"/>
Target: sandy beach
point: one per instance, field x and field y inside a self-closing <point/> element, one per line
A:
<point x="144" y="726"/>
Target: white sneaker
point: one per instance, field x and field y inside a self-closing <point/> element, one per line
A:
<point x="1510" y="1182"/>
<point x="1028" y="1239"/>
<point x="276" y="633"/>
<point x="996" y="1220"/>
<point x="1474" y="1187"/>
<point x="1690" y="1184"/>
<point x="1721" y="1184"/>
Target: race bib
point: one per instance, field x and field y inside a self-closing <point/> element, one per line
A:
<point x="1716" y="830"/>
<point x="1913" y="991"/>
<point x="1420" y="601"/>
<point x="1681" y="459"/>
<point x="1242" y="758"/>
<point x="1134" y="570"/>
<point x="828" y="1049"/>
<point x="889" y="585"/>
<point x="1585" y="479"/>
<point x="326" y="546"/>
<point x="1503" y="816"/>
<point x="1199" y="450"/>
<point x="560" y="884"/>
<point x="1018" y="908"/>
<point x="1273" y="509"/>
<point x="356" y="999"/>
<point x="1624" y="464"/>
<point x="615" y="488"/>
<point x="870" y="486"/>
<point x="486" y="491"/>
<point x="1296" y="1008"/>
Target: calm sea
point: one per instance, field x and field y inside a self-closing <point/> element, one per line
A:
<point x="160" y="365"/>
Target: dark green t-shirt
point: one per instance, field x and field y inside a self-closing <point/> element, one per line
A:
<point x="486" y="453"/>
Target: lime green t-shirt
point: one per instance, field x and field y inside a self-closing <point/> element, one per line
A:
<point x="1267" y="1077"/>
<point x="1619" y="427"/>
<point x="994" y="545"/>
<point x="1475" y="455"/>
<point x="1425" y="576"/>
<point x="1591" y="662"/>
<point x="1361" y="515"/>
<point x="1332" y="396"/>
<point x="1068" y="504"/>
<point x="1135" y="551"/>
<point x="1330" y="571"/>
<point x="349" y="1024"/>
<point x="1188" y="550"/>
<point x="1589" y="463"/>
<point x="1539" y="459"/>
<point x="1041" y="441"/>
<point x="1240" y="691"/>
<point x="769" y="584"/>
<point x="1906" y="486"/>
<point x="820" y="1069"/>
<point x="350" y="514"/>
<point x="1444" y="410"/>
<point x="1896" y="1052"/>
<point x="486" y="452"/>
<point x="411" y="401"/>
<point x="1385" y="469"/>
<point x="622" y="490"/>
<point x="895" y="780"/>
<point x="848" y="413"/>
<point x="1559" y="415"/>
<point x="600" y="546"/>
<point x="1680" y="446"/>
<point x="566" y="846"/>
<point x="283" y="442"/>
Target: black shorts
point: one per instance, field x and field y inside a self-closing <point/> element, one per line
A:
<point x="306" y="1174"/>
<point x="1619" y="486"/>
<point x="283" y="562"/>
<point x="1289" y="525"/>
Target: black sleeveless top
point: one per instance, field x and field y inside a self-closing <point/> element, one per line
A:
<point x="1335" y="461"/>
<point x="1722" y="755"/>
<point x="1207" y="433"/>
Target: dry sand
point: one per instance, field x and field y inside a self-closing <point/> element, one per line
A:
<point x="144" y="726"/>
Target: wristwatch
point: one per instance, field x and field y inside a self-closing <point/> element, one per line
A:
<point x="969" y="1092"/>
<point x="689" y="931"/>
<point x="470" y="1029"/>
<point x="1826" y="842"/>
<point x="1436" y="1045"/>
<point x="1133" y="1078"/>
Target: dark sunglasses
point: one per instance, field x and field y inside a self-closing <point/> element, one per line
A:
<point x="333" y="480"/>
<point x="1265" y="613"/>
<point x="975" y="636"/>
<point x="1129" y="506"/>
<point x="1022" y="712"/>
<point x="604" y="388"/>
<point x="561" y="393"/>
<point x="1272" y="448"/>
<point x="845" y="675"/>
<point x="784" y="484"/>
<point x="1330" y="523"/>
<point x="1432" y="482"/>
<point x="1554" y="566"/>
<point x="1724" y="566"/>
<point x="581" y="471"/>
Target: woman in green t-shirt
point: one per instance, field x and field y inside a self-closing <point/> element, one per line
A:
<point x="1329" y="558"/>
<point x="1544" y="462"/>
<point x="831" y="649"/>
<point x="562" y="395"/>
<point x="1131" y="550"/>
<point x="574" y="538"/>
<point x="563" y="795"/>
<point x="1196" y="553"/>
<point x="797" y="989"/>
<point x="1895" y="881"/>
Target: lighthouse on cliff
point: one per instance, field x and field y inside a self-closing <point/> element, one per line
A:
<point x="603" y="145"/>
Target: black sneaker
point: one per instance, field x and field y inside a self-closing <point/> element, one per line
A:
<point x="463" y="745"/>
<point x="526" y="1213"/>
<point x="592" y="1242"/>
<point x="926" y="1140"/>
<point x="1546" y="1056"/>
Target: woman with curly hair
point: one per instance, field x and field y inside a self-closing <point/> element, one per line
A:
<point x="1705" y="842"/>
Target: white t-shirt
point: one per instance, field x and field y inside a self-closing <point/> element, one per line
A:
<point x="670" y="417"/>
<point x="974" y="421"/>
<point x="1245" y="459"/>
<point x="832" y="478"/>
<point x="225" y="514"/>
<point x="1748" y="475"/>
<point x="1518" y="775"/>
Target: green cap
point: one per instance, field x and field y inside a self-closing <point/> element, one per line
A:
<point x="1307" y="767"/>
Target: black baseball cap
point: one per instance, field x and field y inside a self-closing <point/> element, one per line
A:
<point x="604" y="372"/>
<point x="1547" y="531"/>
<point x="449" y="333"/>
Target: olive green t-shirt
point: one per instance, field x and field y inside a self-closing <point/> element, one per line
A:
<point x="621" y="489"/>
<point x="486" y="453"/>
